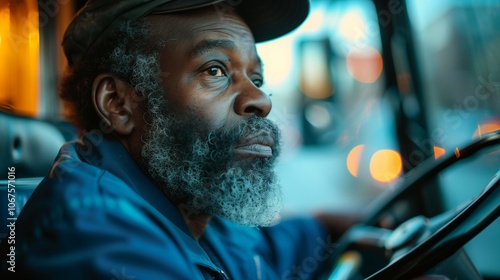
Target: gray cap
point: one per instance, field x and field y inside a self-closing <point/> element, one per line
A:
<point x="267" y="19"/>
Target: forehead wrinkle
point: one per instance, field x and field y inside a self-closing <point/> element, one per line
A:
<point x="172" y="29"/>
<point x="231" y="25"/>
<point x="208" y="45"/>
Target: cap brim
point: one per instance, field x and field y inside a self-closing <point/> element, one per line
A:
<point x="267" y="19"/>
<point x="271" y="19"/>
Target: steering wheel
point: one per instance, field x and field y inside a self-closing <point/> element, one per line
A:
<point x="420" y="243"/>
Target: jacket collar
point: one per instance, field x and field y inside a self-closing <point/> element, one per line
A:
<point x="111" y="156"/>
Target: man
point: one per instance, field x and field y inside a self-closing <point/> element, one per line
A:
<point x="173" y="177"/>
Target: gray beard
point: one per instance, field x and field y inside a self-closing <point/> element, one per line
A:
<point x="197" y="168"/>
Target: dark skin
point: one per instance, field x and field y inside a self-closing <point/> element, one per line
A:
<point x="213" y="72"/>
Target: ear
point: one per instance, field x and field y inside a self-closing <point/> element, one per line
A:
<point x="114" y="103"/>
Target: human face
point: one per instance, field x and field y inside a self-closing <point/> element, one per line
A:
<point x="208" y="144"/>
<point x="211" y="71"/>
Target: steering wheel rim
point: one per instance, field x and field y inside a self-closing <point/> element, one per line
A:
<point x="453" y="234"/>
<point x="427" y="169"/>
<point x="443" y="243"/>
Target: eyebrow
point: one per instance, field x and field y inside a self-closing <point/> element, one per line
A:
<point x="209" y="45"/>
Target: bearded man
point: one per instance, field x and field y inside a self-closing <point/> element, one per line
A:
<point x="173" y="176"/>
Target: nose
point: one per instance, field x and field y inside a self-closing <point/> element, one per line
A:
<point x="252" y="101"/>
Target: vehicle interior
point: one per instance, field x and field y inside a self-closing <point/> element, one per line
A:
<point x="390" y="108"/>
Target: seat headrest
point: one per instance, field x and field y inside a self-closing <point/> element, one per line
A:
<point x="28" y="144"/>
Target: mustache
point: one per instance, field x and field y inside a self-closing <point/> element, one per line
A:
<point x="245" y="128"/>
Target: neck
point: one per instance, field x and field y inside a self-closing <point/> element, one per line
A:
<point x="195" y="220"/>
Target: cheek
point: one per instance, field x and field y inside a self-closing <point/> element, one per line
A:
<point x="177" y="95"/>
<point x="185" y="105"/>
<point x="176" y="103"/>
<point x="188" y="99"/>
<point x="214" y="113"/>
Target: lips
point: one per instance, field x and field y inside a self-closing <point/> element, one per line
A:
<point x="257" y="145"/>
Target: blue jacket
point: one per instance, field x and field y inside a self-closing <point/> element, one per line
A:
<point x="97" y="216"/>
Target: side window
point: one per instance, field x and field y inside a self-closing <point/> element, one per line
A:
<point x="328" y="90"/>
<point x="19" y="57"/>
<point x="457" y="44"/>
<point x="31" y="58"/>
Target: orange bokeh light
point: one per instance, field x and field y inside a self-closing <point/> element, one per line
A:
<point x="438" y="152"/>
<point x="487" y="127"/>
<point x="353" y="160"/>
<point x="364" y="64"/>
<point x="386" y="165"/>
<point x="19" y="57"/>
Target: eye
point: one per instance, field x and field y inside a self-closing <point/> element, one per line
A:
<point x="258" y="82"/>
<point x="215" y="71"/>
<point x="257" y="79"/>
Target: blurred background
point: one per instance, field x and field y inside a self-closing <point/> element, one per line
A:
<point x="364" y="91"/>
